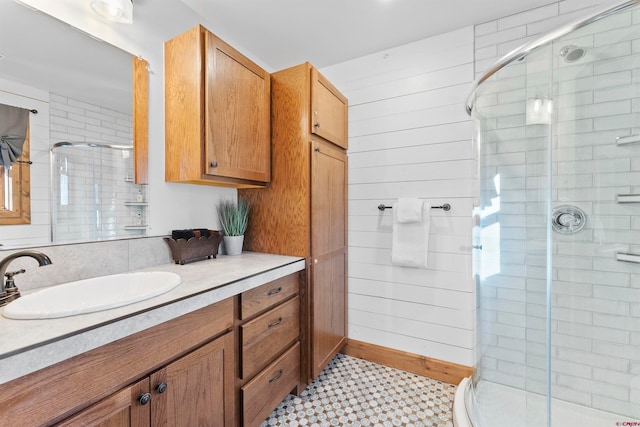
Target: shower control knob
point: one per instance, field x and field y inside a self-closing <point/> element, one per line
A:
<point x="568" y="219"/>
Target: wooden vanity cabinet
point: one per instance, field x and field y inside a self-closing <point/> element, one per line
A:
<point x="303" y="211"/>
<point x="122" y="409"/>
<point x="193" y="354"/>
<point x="198" y="389"/>
<point x="269" y="347"/>
<point x="194" y="390"/>
<point x="217" y="113"/>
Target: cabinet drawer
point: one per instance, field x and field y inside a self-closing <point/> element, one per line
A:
<point x="267" y="335"/>
<point x="265" y="296"/>
<point x="262" y="394"/>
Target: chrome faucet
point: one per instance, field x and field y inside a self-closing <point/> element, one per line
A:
<point x="9" y="290"/>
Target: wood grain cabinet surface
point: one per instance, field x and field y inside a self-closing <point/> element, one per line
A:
<point x="197" y="389"/>
<point x="269" y="347"/>
<point x="268" y="335"/>
<point x="194" y="355"/>
<point x="121" y="409"/>
<point x="194" y="390"/>
<point x="217" y="113"/>
<point x="265" y="391"/>
<point x="303" y="211"/>
<point x="328" y="111"/>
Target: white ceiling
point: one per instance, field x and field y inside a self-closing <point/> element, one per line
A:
<point x="325" y="32"/>
<point x="274" y="33"/>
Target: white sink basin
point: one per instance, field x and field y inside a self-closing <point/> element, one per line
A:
<point x="90" y="295"/>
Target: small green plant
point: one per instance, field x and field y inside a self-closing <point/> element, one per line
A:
<point x="233" y="217"/>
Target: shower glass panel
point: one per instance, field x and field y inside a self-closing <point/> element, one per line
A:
<point x="513" y="113"/>
<point x="93" y="194"/>
<point x="557" y="239"/>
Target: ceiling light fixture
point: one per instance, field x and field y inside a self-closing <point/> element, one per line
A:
<point x="114" y="10"/>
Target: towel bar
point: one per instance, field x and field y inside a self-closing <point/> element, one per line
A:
<point x="445" y="207"/>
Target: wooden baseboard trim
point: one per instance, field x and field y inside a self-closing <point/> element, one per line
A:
<point x="414" y="363"/>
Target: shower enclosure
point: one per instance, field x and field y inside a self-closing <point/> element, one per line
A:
<point x="93" y="193"/>
<point x="557" y="236"/>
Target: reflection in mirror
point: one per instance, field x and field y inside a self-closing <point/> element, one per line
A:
<point x="82" y="88"/>
<point x="93" y="194"/>
<point x="15" y="202"/>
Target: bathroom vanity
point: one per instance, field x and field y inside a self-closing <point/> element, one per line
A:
<point x="221" y="349"/>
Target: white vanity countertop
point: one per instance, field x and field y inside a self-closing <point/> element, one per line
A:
<point x="29" y="345"/>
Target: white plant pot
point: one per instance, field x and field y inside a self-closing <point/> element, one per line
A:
<point x="233" y="244"/>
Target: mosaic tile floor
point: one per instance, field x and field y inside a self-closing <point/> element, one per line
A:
<point x="355" y="392"/>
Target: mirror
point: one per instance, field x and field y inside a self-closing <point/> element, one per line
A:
<point x="83" y="91"/>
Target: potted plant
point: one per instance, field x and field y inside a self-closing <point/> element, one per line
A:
<point x="233" y="221"/>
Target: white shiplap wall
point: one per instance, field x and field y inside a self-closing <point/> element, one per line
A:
<point x="409" y="136"/>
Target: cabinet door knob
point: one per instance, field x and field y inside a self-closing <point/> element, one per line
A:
<point x="276" y="323"/>
<point x="161" y="388"/>
<point x="144" y="399"/>
<point x="274" y="291"/>
<point x="317" y="150"/>
<point x="316" y="125"/>
<point x="277" y="377"/>
<point x="213" y="164"/>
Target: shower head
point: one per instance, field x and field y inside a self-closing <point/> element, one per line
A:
<point x="572" y="53"/>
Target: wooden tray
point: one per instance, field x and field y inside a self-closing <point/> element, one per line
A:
<point x="183" y="251"/>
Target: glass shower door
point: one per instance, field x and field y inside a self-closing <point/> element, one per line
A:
<point x="596" y="268"/>
<point x="513" y="244"/>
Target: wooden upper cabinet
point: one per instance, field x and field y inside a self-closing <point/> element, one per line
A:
<point x="328" y="110"/>
<point x="217" y="113"/>
<point x="140" y="120"/>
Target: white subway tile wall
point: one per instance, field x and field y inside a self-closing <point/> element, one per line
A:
<point x="409" y="136"/>
<point x="93" y="184"/>
<point x="595" y="347"/>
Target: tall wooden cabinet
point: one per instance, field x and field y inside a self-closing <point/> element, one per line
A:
<point x="303" y="211"/>
<point x="217" y="121"/>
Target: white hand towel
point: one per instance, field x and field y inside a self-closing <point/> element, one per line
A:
<point x="409" y="210"/>
<point x="410" y="241"/>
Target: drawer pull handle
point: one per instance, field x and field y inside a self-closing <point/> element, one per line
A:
<point x="277" y="377"/>
<point x="274" y="291"/>
<point x="276" y="323"/>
